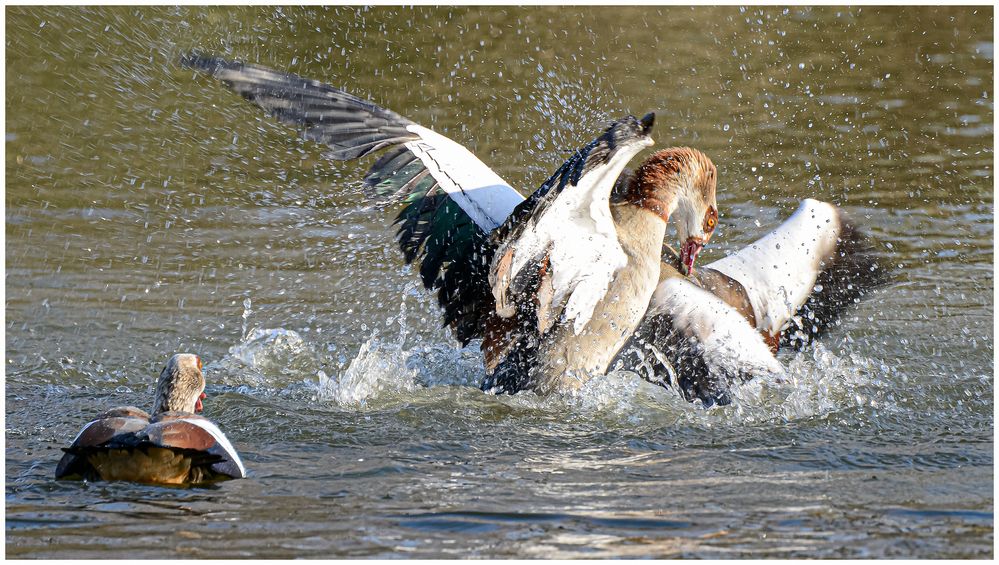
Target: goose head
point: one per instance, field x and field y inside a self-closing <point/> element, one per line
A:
<point x="181" y="385"/>
<point x="681" y="182"/>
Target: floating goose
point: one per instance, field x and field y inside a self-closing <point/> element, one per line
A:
<point x="171" y="446"/>
<point x="554" y="284"/>
<point x="723" y="324"/>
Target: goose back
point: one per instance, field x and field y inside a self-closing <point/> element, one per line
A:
<point x="171" y="448"/>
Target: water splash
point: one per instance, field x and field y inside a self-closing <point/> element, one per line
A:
<point x="267" y="357"/>
<point x="386" y="368"/>
<point x="387" y="371"/>
<point x="246" y="315"/>
<point x="818" y="383"/>
<point x="571" y="112"/>
<point x="376" y="367"/>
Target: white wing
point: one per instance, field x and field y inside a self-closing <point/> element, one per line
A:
<point x="353" y="128"/>
<point x="579" y="237"/>
<point x="224" y="448"/>
<point x="452" y="199"/>
<point x="481" y="193"/>
<point x="779" y="270"/>
<point x="566" y="230"/>
<point x="698" y="344"/>
<point x="725" y="340"/>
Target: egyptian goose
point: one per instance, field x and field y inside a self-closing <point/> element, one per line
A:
<point x="172" y="446"/>
<point x="724" y="323"/>
<point x="544" y="356"/>
<point x="554" y="284"/>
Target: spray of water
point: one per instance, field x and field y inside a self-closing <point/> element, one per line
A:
<point x="389" y="369"/>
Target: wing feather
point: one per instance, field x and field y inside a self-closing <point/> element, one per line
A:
<point x="813" y="265"/>
<point x="699" y="343"/>
<point x="710" y="330"/>
<point x="418" y="165"/>
<point x="567" y="222"/>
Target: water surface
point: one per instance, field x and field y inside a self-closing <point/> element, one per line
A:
<point x="149" y="211"/>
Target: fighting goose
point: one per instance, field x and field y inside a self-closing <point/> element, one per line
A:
<point x="565" y="357"/>
<point x="553" y="284"/>
<point x="723" y="324"/>
<point x="173" y="445"/>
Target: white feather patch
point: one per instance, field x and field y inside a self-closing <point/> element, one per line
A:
<point x="577" y="232"/>
<point x="727" y="343"/>
<point x="779" y="270"/>
<point x="481" y="193"/>
<point x="220" y="438"/>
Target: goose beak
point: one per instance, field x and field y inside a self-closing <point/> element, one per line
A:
<point x="198" y="406"/>
<point x="688" y="254"/>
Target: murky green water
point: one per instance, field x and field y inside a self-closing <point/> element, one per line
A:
<point x="149" y="211"/>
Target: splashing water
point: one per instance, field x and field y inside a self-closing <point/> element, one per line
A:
<point x="571" y="112"/>
<point x="377" y="367"/>
<point x="817" y="382"/>
<point x="246" y="315"/>
<point x="267" y="357"/>
<point x="385" y="370"/>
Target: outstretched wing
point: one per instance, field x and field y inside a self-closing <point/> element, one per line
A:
<point x="561" y="241"/>
<point x="452" y="200"/>
<point x="723" y="324"/>
<point x="692" y="340"/>
<point x="805" y="272"/>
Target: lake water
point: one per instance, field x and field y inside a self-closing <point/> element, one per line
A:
<point x="149" y="211"/>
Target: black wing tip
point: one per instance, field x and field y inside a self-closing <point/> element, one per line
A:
<point x="647" y="121"/>
<point x="856" y="270"/>
<point x="856" y="247"/>
<point x="632" y="125"/>
<point x="207" y="63"/>
<point x="627" y="129"/>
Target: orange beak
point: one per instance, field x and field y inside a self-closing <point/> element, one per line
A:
<point x="198" y="406"/>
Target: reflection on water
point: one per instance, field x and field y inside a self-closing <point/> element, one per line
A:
<point x="149" y="212"/>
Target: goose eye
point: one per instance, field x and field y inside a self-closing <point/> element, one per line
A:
<point x="710" y="219"/>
